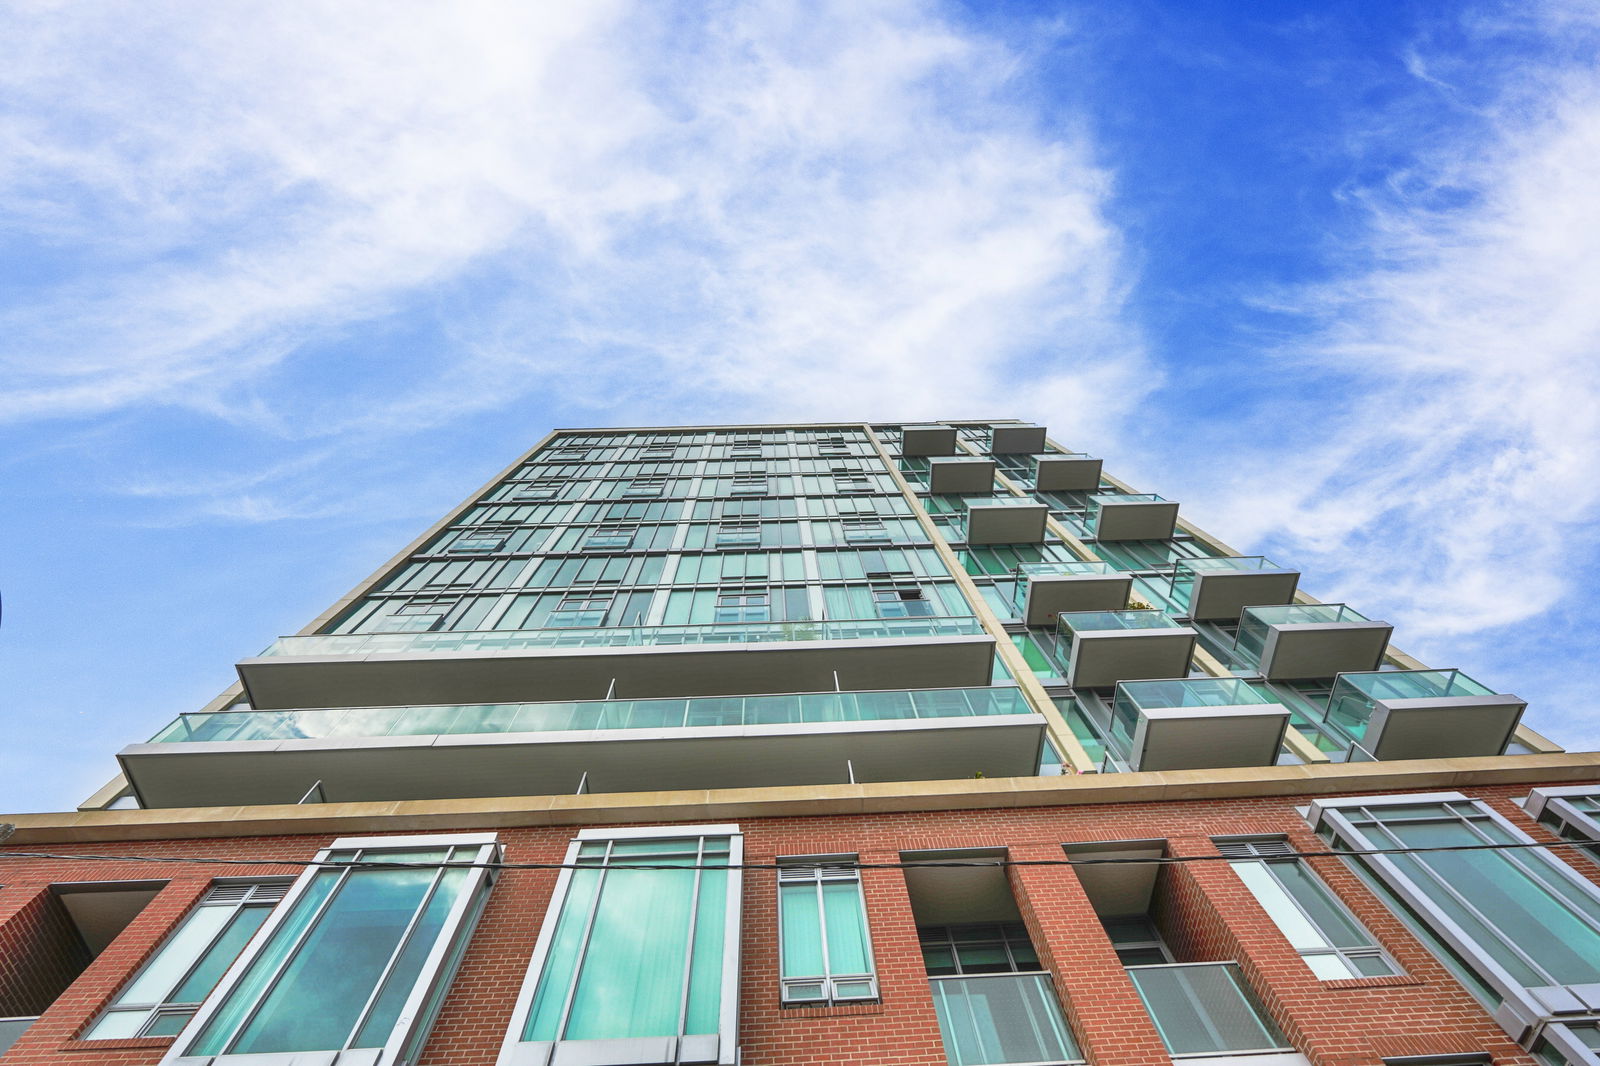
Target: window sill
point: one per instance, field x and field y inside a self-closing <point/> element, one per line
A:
<point x="834" y="1010"/>
<point x="127" y="1043"/>
<point x="1393" y="981"/>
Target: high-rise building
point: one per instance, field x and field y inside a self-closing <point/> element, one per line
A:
<point x="907" y="745"/>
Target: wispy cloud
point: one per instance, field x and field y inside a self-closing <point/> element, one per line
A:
<point x="1442" y="459"/>
<point x="776" y="209"/>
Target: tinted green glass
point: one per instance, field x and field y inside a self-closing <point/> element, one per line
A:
<point x="403" y="976"/>
<point x="204" y="977"/>
<point x="802" y="931"/>
<point x="848" y="950"/>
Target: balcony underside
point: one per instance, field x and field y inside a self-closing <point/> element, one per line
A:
<point x="513" y="675"/>
<point x="1060" y="473"/>
<point x="554" y="763"/>
<point x="1102" y="658"/>
<point x="1223" y="595"/>
<point x="1322" y="649"/>
<point x="1154" y="520"/>
<point x="1207" y="738"/>
<point x="1006" y="523"/>
<point x="1017" y="440"/>
<point x="1442" y="727"/>
<point x="928" y="440"/>
<point x="1050" y="595"/>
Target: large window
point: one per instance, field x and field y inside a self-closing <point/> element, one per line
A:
<point x="166" y="992"/>
<point x="637" y="959"/>
<point x="1573" y="811"/>
<point x="1522" y="921"/>
<point x="356" y="960"/>
<point x="1334" y="945"/>
<point x="825" y="947"/>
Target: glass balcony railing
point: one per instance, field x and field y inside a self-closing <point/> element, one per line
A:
<point x="1002" y="1018"/>
<point x="1099" y="500"/>
<point x="999" y="501"/>
<point x="1205" y="1009"/>
<point x="1078" y="568"/>
<point x="1072" y="622"/>
<point x="1186" y="573"/>
<point x="820" y="708"/>
<point x="1255" y="623"/>
<point x="356" y="644"/>
<point x="1356" y="696"/>
<point x="1190" y="692"/>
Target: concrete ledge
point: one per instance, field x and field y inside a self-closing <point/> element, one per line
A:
<point x="724" y="804"/>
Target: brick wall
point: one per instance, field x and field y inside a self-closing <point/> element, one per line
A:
<point x="1205" y="911"/>
<point x="41" y="953"/>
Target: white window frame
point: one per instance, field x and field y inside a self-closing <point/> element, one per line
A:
<point x="421" y="1006"/>
<point x="1526" y="1013"/>
<point x="817" y="870"/>
<point x="633" y="1051"/>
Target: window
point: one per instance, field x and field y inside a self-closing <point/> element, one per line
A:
<point x="824" y="946"/>
<point x="743" y="606"/>
<point x="1334" y="945"/>
<point x="852" y="483"/>
<point x="637" y="958"/>
<point x="543" y="489"/>
<point x="166" y="992"/>
<point x="902" y="602"/>
<point x="1001" y="947"/>
<point x="1524" y="924"/>
<point x="479" y="541"/>
<point x="864" y="531"/>
<point x="357" y="957"/>
<point x="1572" y="811"/>
<point x="579" y="611"/>
<point x="609" y="538"/>
<point x="646" y="486"/>
<point x="421" y="615"/>
<point x="739" y="536"/>
<point x="750" y="486"/>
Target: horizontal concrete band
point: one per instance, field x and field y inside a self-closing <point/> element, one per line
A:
<point x="721" y="805"/>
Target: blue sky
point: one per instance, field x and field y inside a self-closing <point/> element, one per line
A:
<point x="279" y="283"/>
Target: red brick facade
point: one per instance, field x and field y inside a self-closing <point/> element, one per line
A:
<point x="1203" y="910"/>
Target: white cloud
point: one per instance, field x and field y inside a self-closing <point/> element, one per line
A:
<point x="783" y="210"/>
<point x="1443" y="467"/>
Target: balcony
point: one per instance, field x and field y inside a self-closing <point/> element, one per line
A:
<point x="1067" y="472"/>
<point x="1016" y="440"/>
<point x="382" y="669"/>
<point x="1104" y="647"/>
<point x="927" y="440"/>
<point x="1048" y="589"/>
<point x="1205" y="1008"/>
<point x="1421" y="714"/>
<point x="1005" y="520"/>
<point x="1000" y="1018"/>
<point x="1127" y="516"/>
<point x="445" y="752"/>
<point x="1219" y="589"/>
<point x="1196" y="724"/>
<point x="960" y="474"/>
<point x="1307" y="640"/>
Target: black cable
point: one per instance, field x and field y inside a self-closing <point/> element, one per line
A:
<point x="1155" y="860"/>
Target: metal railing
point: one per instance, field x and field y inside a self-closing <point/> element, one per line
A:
<point x="1002" y="1018"/>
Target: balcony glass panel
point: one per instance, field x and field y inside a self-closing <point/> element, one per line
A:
<point x="1098" y="621"/>
<point x="1002" y="1018"/>
<point x="1355" y="696"/>
<point x="1099" y="500"/>
<point x="1070" y="569"/>
<point x="339" y="644"/>
<point x="1256" y="622"/>
<point x="1190" y="692"/>
<point x="813" y="708"/>
<point x="1205" y="1009"/>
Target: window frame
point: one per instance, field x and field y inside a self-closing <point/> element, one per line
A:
<point x="822" y="872"/>
<point x="255" y="892"/>
<point x="1552" y="807"/>
<point x="420" y="1009"/>
<point x="514" y="1051"/>
<point x="1261" y="853"/>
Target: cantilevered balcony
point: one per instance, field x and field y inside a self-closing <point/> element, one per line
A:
<point x="1006" y="520"/>
<point x="927" y="440"/>
<point x="1205" y="1008"/>
<point x="1198" y="723"/>
<point x="1048" y="589"/>
<point x="442" y="752"/>
<point x="1104" y="647"/>
<point x="1067" y="472"/>
<point x="379" y="669"/>
<point x="1219" y="589"/>
<point x="1131" y="516"/>
<point x="960" y="474"/>
<point x="1307" y="640"/>
<point x="1421" y="714"/>
<point x="1017" y="440"/>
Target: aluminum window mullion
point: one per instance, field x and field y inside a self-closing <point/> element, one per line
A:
<point x="289" y="956"/>
<point x="688" y="947"/>
<point x="405" y="939"/>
